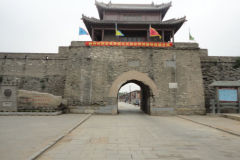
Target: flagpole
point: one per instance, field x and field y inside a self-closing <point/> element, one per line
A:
<point x="189" y="34"/>
<point x="116" y="31"/>
<point x="149" y="35"/>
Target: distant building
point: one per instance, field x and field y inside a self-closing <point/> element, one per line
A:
<point x="133" y="97"/>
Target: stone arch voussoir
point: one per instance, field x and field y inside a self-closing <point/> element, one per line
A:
<point x="132" y="75"/>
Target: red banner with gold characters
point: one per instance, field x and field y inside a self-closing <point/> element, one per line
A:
<point x="130" y="44"/>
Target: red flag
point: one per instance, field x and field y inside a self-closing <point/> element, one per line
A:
<point x="154" y="32"/>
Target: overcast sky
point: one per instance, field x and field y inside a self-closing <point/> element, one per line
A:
<point x="43" y="25"/>
<point x="129" y="87"/>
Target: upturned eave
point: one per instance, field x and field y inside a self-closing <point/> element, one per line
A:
<point x="174" y="24"/>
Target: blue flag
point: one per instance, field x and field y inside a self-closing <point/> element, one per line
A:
<point x="82" y="31"/>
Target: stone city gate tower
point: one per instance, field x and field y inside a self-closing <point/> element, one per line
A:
<point x="174" y="77"/>
<point x="168" y="73"/>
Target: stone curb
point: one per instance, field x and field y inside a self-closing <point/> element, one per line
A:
<point x="30" y="113"/>
<point x="38" y="154"/>
<point x="236" y="118"/>
<point x="218" y="128"/>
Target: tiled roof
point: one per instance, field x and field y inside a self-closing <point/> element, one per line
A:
<point x="173" y="24"/>
<point x="133" y="6"/>
<point x="167" y="22"/>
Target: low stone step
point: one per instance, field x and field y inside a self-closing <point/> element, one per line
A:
<point x="232" y="116"/>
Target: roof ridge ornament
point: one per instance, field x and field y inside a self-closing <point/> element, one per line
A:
<point x="152" y="3"/>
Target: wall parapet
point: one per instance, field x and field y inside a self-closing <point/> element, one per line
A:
<point x="218" y="59"/>
<point x="32" y="56"/>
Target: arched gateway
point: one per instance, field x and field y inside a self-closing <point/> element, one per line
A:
<point x="148" y="87"/>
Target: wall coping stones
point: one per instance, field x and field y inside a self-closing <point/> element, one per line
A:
<point x="22" y="53"/>
<point x="219" y="59"/>
<point x="32" y="56"/>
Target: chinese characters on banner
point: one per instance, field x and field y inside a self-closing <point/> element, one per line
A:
<point x="131" y="44"/>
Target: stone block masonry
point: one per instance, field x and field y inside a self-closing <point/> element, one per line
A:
<point x="217" y="69"/>
<point x="95" y="73"/>
<point x="173" y="80"/>
<point x="35" y="72"/>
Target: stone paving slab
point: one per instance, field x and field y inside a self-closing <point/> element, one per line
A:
<point x="221" y="123"/>
<point x="22" y="137"/>
<point x="137" y="136"/>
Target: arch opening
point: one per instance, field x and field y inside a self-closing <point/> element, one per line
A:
<point x="134" y="100"/>
<point x="126" y="77"/>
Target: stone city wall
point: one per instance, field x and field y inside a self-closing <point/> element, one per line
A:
<point x="217" y="69"/>
<point x="177" y="78"/>
<point x="35" y="71"/>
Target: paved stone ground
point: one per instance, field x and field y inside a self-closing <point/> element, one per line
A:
<point x="23" y="136"/>
<point x="136" y="136"/>
<point x="217" y="122"/>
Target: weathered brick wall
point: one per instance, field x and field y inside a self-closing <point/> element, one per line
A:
<point x="34" y="71"/>
<point x="217" y="69"/>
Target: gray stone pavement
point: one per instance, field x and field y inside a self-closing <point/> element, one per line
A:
<point x="136" y="136"/>
<point x="227" y="125"/>
<point x="23" y="136"/>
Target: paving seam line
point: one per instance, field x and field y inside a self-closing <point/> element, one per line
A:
<point x="220" y="129"/>
<point x="38" y="154"/>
